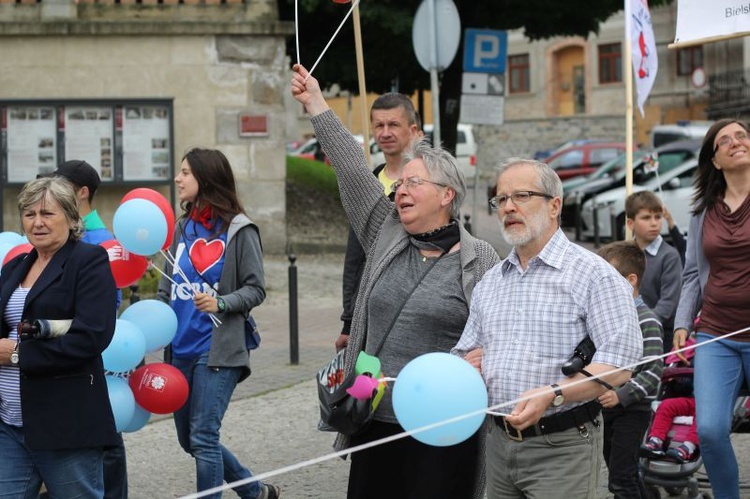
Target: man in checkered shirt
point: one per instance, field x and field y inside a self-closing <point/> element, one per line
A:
<point x="527" y="316"/>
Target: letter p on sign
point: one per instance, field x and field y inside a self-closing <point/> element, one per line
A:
<point x="485" y="51"/>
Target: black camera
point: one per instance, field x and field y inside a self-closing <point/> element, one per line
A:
<point x="43" y="328"/>
<point x="581" y="357"/>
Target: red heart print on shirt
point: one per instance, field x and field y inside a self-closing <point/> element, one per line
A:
<point x="205" y="254"/>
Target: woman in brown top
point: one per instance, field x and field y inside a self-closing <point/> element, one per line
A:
<point x="716" y="283"/>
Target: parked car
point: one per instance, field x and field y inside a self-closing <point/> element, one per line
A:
<point x="675" y="188"/>
<point x="311" y="149"/>
<point x="466" y="150"/>
<point x="546" y="153"/>
<point x="682" y="130"/>
<point x="584" y="159"/>
<point x="612" y="174"/>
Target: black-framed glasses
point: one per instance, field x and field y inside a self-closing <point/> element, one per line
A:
<point x="725" y="140"/>
<point x="411" y="182"/>
<point x="518" y="197"/>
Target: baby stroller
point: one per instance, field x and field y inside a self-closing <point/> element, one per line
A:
<point x="687" y="477"/>
<point x="661" y="471"/>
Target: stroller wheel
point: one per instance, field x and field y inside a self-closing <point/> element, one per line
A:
<point x="652" y="492"/>
<point x="673" y="491"/>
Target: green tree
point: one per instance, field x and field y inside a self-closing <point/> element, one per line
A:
<point x="389" y="57"/>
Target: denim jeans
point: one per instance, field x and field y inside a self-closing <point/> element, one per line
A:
<point x="720" y="369"/>
<point x="69" y="473"/>
<point x="198" y="423"/>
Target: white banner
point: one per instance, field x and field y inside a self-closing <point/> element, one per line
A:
<point x="699" y="21"/>
<point x="643" y="47"/>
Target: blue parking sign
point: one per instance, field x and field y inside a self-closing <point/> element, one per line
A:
<point x="485" y="50"/>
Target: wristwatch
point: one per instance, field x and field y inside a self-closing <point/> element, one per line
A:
<point x="14" y="355"/>
<point x="220" y="304"/>
<point x="559" y="399"/>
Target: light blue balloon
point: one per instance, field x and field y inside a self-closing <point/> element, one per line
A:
<point x="157" y="321"/>
<point x="12" y="238"/>
<point x="139" y="420"/>
<point x="140" y="226"/>
<point x="436" y="387"/>
<point x="127" y="348"/>
<point x="4" y="249"/>
<point x="122" y="401"/>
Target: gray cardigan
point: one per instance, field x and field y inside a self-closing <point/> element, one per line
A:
<point x="241" y="286"/>
<point x="375" y="221"/>
<point x="694" y="277"/>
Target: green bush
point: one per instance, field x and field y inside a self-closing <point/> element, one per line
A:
<point x="311" y="174"/>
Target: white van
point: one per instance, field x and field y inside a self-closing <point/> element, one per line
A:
<point x="685" y="129"/>
<point x="466" y="151"/>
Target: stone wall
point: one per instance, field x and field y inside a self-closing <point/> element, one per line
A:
<point x="213" y="61"/>
<point x="522" y="138"/>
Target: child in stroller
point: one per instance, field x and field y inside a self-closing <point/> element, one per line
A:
<point x="670" y="455"/>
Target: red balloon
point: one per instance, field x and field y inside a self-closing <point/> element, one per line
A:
<point x="159" y="200"/>
<point x="21" y="249"/>
<point x="126" y="267"/>
<point x="159" y="388"/>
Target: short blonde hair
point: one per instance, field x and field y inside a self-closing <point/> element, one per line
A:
<point x="59" y="189"/>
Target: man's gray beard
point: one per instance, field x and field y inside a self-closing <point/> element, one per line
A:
<point x="534" y="226"/>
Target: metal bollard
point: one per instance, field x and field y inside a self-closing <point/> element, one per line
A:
<point x="134" y="296"/>
<point x="293" y="312"/>
<point x="595" y="214"/>
<point x="578" y="222"/>
<point x="467" y="223"/>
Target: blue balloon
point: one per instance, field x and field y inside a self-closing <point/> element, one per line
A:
<point x="122" y="401"/>
<point x="12" y="238"/>
<point x="127" y="348"/>
<point x="4" y="249"/>
<point x="157" y="321"/>
<point x="139" y="420"/>
<point x="436" y="387"/>
<point x="140" y="226"/>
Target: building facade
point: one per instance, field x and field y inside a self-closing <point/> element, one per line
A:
<point x="217" y="69"/>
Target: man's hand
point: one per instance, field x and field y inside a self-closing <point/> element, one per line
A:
<point x="474" y="357"/>
<point x="342" y="341"/>
<point x="609" y="399"/>
<point x="529" y="412"/>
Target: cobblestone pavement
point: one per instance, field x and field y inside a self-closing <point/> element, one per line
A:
<point x="271" y="422"/>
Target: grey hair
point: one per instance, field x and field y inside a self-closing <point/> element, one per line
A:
<point x="443" y="169"/>
<point x="59" y="189"/>
<point x="549" y="181"/>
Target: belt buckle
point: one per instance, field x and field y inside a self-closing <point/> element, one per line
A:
<point x="512" y="432"/>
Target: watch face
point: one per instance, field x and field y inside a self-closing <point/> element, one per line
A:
<point x="14" y="358"/>
<point x="558" y="400"/>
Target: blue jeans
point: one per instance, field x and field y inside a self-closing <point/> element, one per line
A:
<point x="198" y="423"/>
<point x="720" y="369"/>
<point x="69" y="473"/>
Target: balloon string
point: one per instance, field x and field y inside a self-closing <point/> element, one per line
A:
<point x="296" y="27"/>
<point x="374" y="443"/>
<point x="354" y="4"/>
<point x="175" y="266"/>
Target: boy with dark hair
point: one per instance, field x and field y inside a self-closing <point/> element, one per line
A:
<point x="662" y="279"/>
<point x="627" y="407"/>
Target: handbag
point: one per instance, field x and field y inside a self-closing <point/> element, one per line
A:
<point x="339" y="411"/>
<point x="252" y="336"/>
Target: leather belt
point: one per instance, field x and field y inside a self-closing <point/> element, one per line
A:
<point x="557" y="422"/>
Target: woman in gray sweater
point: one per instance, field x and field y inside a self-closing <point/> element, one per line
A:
<point x="421" y="261"/>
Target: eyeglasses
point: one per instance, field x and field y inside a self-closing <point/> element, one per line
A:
<point x="411" y="182"/>
<point x="725" y="140"/>
<point x="518" y="197"/>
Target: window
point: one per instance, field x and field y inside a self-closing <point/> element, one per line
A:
<point x="600" y="156"/>
<point x="688" y="59"/>
<point x="610" y="63"/>
<point x="518" y="73"/>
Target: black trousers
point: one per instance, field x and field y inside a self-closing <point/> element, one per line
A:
<point x="623" y="433"/>
<point x="409" y="469"/>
